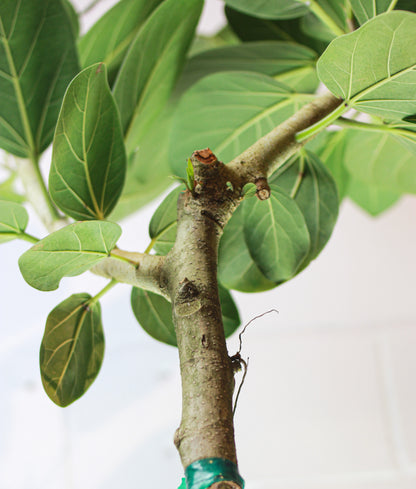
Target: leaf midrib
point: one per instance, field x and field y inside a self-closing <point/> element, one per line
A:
<point x="19" y="94"/>
<point x="98" y="211"/>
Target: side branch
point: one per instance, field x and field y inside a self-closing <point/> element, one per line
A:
<point x="137" y="269"/>
<point x="266" y="155"/>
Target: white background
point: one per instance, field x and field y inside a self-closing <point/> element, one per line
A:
<point x="329" y="400"/>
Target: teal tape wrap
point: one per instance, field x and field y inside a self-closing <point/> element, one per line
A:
<point x="203" y="473"/>
<point x="183" y="485"/>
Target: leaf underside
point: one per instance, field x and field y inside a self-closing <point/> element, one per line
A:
<point x="68" y="252"/>
<point x="72" y="349"/>
<point x="31" y="89"/>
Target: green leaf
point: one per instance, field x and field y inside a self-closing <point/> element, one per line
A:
<point x="373" y="68"/>
<point x="367" y="9"/>
<point x="152" y="64"/>
<point x="13" y="220"/>
<point x="379" y="159"/>
<point x="137" y="194"/>
<point x="270" y="9"/>
<point x="230" y="317"/>
<point x="154" y="314"/>
<point x="250" y="28"/>
<point x="190" y="175"/>
<point x="68" y="252"/>
<point x="88" y="160"/>
<point x="305" y="179"/>
<point x="162" y="226"/>
<point x="286" y="62"/>
<point x="154" y="148"/>
<point x="109" y="39"/>
<point x="336" y="10"/>
<point x="72" y="349"/>
<point x="236" y="268"/>
<point x="276" y="235"/>
<point x="330" y="146"/>
<point x="371" y="198"/>
<point x="37" y="60"/>
<point x="224" y="37"/>
<point x="233" y="111"/>
<point x="73" y="16"/>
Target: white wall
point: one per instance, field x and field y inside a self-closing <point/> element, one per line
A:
<point x="329" y="400"/>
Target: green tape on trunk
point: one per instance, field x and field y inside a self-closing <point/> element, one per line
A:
<point x="203" y="473"/>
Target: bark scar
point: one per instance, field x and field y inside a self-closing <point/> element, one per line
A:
<point x="205" y="156"/>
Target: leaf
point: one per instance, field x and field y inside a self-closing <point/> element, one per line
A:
<point x="152" y="64"/>
<point x="330" y="147"/>
<point x="224" y="37"/>
<point x="31" y="90"/>
<point x="68" y="252"/>
<point x="306" y="180"/>
<point x="73" y="16"/>
<point x="88" y="160"/>
<point x="228" y="112"/>
<point x="371" y="198"/>
<point x="337" y="10"/>
<point x="72" y="349"/>
<point x="154" y="314"/>
<point x="110" y="37"/>
<point x="13" y="220"/>
<point x="137" y="194"/>
<point x="286" y="62"/>
<point x="236" y="268"/>
<point x="162" y="226"/>
<point x="230" y="317"/>
<point x="270" y="9"/>
<point x="154" y="148"/>
<point x="250" y="28"/>
<point x="379" y="159"/>
<point x="367" y="9"/>
<point x="276" y="235"/>
<point x="373" y="68"/>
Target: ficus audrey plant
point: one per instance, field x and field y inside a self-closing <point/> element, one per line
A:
<point x="266" y="126"/>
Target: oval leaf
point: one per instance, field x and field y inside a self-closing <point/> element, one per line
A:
<point x="330" y="147"/>
<point x="152" y="64"/>
<point x="287" y="62"/>
<point x="276" y="235"/>
<point x="371" y="198"/>
<point x="68" y="252"/>
<point x="38" y="58"/>
<point x="250" y="28"/>
<point x="270" y="9"/>
<point x="236" y="268"/>
<point x="162" y="226"/>
<point x="72" y="349"/>
<point x="73" y="16"/>
<point x="108" y="40"/>
<point x="379" y="159"/>
<point x="367" y="9"/>
<point x="88" y="160"/>
<point x="373" y="68"/>
<point x="154" y="314"/>
<point x="305" y="179"/>
<point x="13" y="220"/>
<point x="228" y="112"/>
